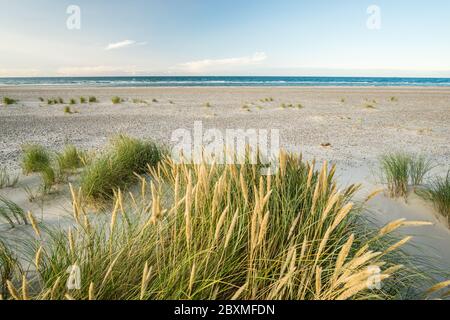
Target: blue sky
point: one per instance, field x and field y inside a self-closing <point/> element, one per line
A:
<point x="225" y="37"/>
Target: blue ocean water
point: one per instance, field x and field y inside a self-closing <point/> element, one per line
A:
<point x="229" y="81"/>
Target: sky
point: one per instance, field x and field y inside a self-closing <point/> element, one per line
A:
<point x="225" y="37"/>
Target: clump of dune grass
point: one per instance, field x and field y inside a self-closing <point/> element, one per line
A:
<point x="35" y="158"/>
<point x="60" y="100"/>
<point x="208" y="105"/>
<point x="155" y="100"/>
<point x="67" y="110"/>
<point x="246" y="107"/>
<point x="393" y="99"/>
<point x="117" y="167"/>
<point x="72" y="101"/>
<point x="8" y="101"/>
<point x="369" y="106"/>
<point x="82" y="100"/>
<point x="6" y="180"/>
<point x="438" y="192"/>
<point x="343" y="100"/>
<point x="402" y="170"/>
<point x="12" y="213"/>
<point x="300" y="106"/>
<point x="171" y="102"/>
<point x="222" y="232"/>
<point x="116" y="100"/>
<point x="41" y="99"/>
<point x="51" y="101"/>
<point x="139" y="101"/>
<point x="93" y="99"/>
<point x="10" y="269"/>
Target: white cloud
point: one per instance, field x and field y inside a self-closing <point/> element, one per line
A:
<point x="219" y="64"/>
<point x="124" y="44"/>
<point x="97" y="71"/>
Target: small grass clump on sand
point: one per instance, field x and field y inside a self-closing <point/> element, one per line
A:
<point x="401" y="170"/>
<point x="6" y="180"/>
<point x="67" y="110"/>
<point x="300" y="106"/>
<point x="51" y="101"/>
<point x="10" y="269"/>
<point x="155" y="100"/>
<point x="12" y="213"/>
<point x="60" y="100"/>
<point x="82" y="100"/>
<point x="93" y="99"/>
<point x="393" y="99"/>
<point x="8" y="101"/>
<point x="70" y="159"/>
<point x="35" y="158"/>
<point x="116" y="100"/>
<point x="41" y="99"/>
<point x="116" y="168"/>
<point x="208" y="105"/>
<point x="139" y="101"/>
<point x="223" y="232"/>
<point x="369" y="106"/>
<point x="72" y="101"/>
<point x="438" y="192"/>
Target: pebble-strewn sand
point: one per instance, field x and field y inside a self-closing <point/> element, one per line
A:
<point x="419" y="121"/>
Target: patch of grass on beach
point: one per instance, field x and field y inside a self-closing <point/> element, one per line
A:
<point x="116" y="100"/>
<point x="393" y="99"/>
<point x="208" y="105"/>
<point x="72" y="101"/>
<point x="343" y="100"/>
<point x="60" y="100"/>
<point x="9" y="101"/>
<point x="116" y="168"/>
<point x="41" y="99"/>
<point x="93" y="99"/>
<point x="34" y="159"/>
<point x="10" y="269"/>
<point x="82" y="100"/>
<point x="6" y="180"/>
<point x="438" y="192"/>
<point x="402" y="170"/>
<point x="155" y="100"/>
<point x="223" y="232"/>
<point x="300" y="106"/>
<point x="369" y="106"/>
<point x="70" y="159"/>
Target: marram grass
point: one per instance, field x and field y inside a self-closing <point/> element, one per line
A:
<point x="438" y="192"/>
<point x="402" y="170"/>
<point x="115" y="169"/>
<point x="217" y="232"/>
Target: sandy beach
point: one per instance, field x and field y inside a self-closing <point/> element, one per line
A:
<point x="359" y="124"/>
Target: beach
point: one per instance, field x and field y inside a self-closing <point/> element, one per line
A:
<point x="359" y="124"/>
<point x="347" y="126"/>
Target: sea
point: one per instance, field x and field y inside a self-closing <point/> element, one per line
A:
<point x="226" y="81"/>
